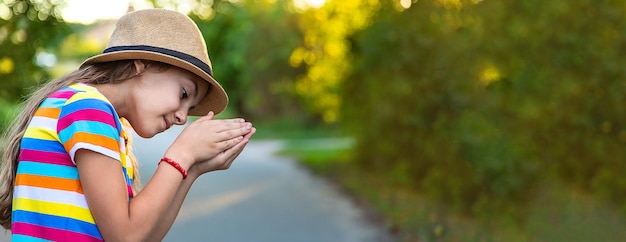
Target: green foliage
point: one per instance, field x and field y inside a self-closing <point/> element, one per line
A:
<point x="325" y="52"/>
<point x="555" y="213"/>
<point x="28" y="28"/>
<point x="7" y="112"/>
<point x="294" y="128"/>
<point x="475" y="101"/>
<point x="82" y="42"/>
<point x="249" y="43"/>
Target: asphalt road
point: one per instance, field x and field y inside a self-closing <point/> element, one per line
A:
<point x="262" y="197"/>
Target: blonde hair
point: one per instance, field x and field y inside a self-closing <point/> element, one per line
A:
<point x="97" y="73"/>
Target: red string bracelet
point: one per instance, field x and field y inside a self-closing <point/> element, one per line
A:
<point x="175" y="165"/>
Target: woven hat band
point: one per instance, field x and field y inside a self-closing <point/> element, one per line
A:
<point x="193" y="60"/>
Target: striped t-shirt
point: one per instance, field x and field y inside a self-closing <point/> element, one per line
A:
<point x="48" y="200"/>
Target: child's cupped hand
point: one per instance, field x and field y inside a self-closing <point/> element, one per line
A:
<point x="209" y="141"/>
<point x="223" y="160"/>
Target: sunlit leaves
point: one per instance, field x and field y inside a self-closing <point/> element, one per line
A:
<point x="325" y="51"/>
<point x="406" y="3"/>
<point x="5" y="12"/>
<point x="450" y="4"/>
<point x="6" y="65"/>
<point x="303" y="5"/>
<point x="489" y="74"/>
<point x="19" y="36"/>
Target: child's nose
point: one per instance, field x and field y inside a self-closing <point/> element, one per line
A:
<point x="181" y="117"/>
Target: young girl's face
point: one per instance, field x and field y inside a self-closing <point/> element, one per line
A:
<point x="162" y="98"/>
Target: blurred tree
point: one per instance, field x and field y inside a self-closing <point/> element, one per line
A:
<point x="325" y="51"/>
<point x="475" y="101"/>
<point x="250" y="43"/>
<point x="422" y="108"/>
<point x="28" y="31"/>
<point x="574" y="69"/>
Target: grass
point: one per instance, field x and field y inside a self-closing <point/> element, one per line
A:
<point x="293" y="129"/>
<point x="558" y="213"/>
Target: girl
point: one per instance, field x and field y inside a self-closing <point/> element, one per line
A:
<point x="67" y="171"/>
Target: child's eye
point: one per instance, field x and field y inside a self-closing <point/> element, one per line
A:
<point x="184" y="95"/>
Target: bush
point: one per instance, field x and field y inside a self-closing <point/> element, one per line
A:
<point x="474" y="103"/>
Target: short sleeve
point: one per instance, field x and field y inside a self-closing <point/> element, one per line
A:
<point x="88" y="121"/>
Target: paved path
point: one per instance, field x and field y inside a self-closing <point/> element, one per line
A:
<point x="262" y="197"/>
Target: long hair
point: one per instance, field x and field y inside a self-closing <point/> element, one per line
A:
<point x="97" y="73"/>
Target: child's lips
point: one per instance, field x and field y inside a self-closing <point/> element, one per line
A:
<point x="167" y="124"/>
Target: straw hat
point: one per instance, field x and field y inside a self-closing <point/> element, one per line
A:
<point x="169" y="37"/>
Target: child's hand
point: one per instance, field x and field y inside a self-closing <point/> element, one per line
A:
<point x="223" y="160"/>
<point x="205" y="138"/>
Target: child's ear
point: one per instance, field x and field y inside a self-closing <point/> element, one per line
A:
<point x="140" y="67"/>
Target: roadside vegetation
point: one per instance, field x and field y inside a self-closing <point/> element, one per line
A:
<point x="555" y="213"/>
<point x="470" y="120"/>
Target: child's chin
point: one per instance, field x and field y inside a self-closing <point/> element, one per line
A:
<point x="147" y="135"/>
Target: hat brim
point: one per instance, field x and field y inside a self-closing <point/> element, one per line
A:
<point x="215" y="100"/>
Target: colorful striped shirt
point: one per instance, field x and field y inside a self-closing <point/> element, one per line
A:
<point x="48" y="200"/>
